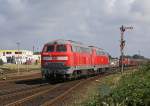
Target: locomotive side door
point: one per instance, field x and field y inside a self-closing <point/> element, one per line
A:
<point x="93" y="57"/>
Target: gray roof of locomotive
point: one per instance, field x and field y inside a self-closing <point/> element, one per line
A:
<point x="99" y="49"/>
<point x="61" y="41"/>
<point x="74" y="43"/>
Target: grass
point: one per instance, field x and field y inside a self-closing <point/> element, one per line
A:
<point x="90" y="94"/>
<point x="82" y="94"/>
<point x="87" y="93"/>
<point x="11" y="68"/>
<point x="102" y="89"/>
<point x="132" y="88"/>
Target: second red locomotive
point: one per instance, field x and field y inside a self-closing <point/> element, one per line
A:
<point x="66" y="58"/>
<point x="128" y="61"/>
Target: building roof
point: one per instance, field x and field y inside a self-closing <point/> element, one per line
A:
<point x="15" y="50"/>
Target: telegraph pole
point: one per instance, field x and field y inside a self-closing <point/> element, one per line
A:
<point x="122" y="44"/>
<point x="18" y="46"/>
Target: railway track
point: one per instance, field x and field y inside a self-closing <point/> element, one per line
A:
<point x="12" y="88"/>
<point x="14" y="92"/>
<point x="42" y="95"/>
<point x="59" y="99"/>
<point x="20" y="78"/>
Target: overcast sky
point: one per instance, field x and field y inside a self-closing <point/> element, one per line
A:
<point x="93" y="22"/>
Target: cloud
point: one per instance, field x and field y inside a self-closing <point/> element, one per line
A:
<point x="93" y="22"/>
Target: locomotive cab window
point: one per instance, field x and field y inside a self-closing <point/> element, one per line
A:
<point x="49" y="48"/>
<point x="71" y="48"/>
<point x="61" y="48"/>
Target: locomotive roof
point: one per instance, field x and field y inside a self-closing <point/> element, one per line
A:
<point x="96" y="47"/>
<point x="61" y="41"/>
<point x="75" y="43"/>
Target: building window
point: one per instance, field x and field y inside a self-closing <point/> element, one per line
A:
<point x="18" y="52"/>
<point x="8" y="52"/>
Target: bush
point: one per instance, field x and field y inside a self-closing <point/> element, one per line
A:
<point x="134" y="89"/>
<point x="145" y="67"/>
<point x="131" y="90"/>
<point x="1" y="62"/>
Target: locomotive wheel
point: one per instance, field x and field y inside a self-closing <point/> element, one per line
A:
<point x="47" y="78"/>
<point x="50" y="78"/>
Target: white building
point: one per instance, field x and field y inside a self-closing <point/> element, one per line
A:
<point x="3" y="57"/>
<point x="37" y="57"/>
<point x="15" y="56"/>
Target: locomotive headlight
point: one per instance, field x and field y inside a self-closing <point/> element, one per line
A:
<point x="112" y="63"/>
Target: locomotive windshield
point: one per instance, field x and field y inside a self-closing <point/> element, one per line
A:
<point x="49" y="48"/>
<point x="55" y="48"/>
<point x="61" y="48"/>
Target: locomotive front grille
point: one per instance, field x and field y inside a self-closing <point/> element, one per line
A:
<point x="55" y="65"/>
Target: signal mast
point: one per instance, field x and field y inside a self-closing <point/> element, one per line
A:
<point x="122" y="44"/>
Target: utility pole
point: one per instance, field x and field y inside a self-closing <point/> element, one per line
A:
<point x="27" y="63"/>
<point x="139" y="53"/>
<point x="33" y="48"/>
<point x="122" y="44"/>
<point x="18" y="46"/>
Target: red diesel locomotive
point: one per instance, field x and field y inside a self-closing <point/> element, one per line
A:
<point x="66" y="58"/>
